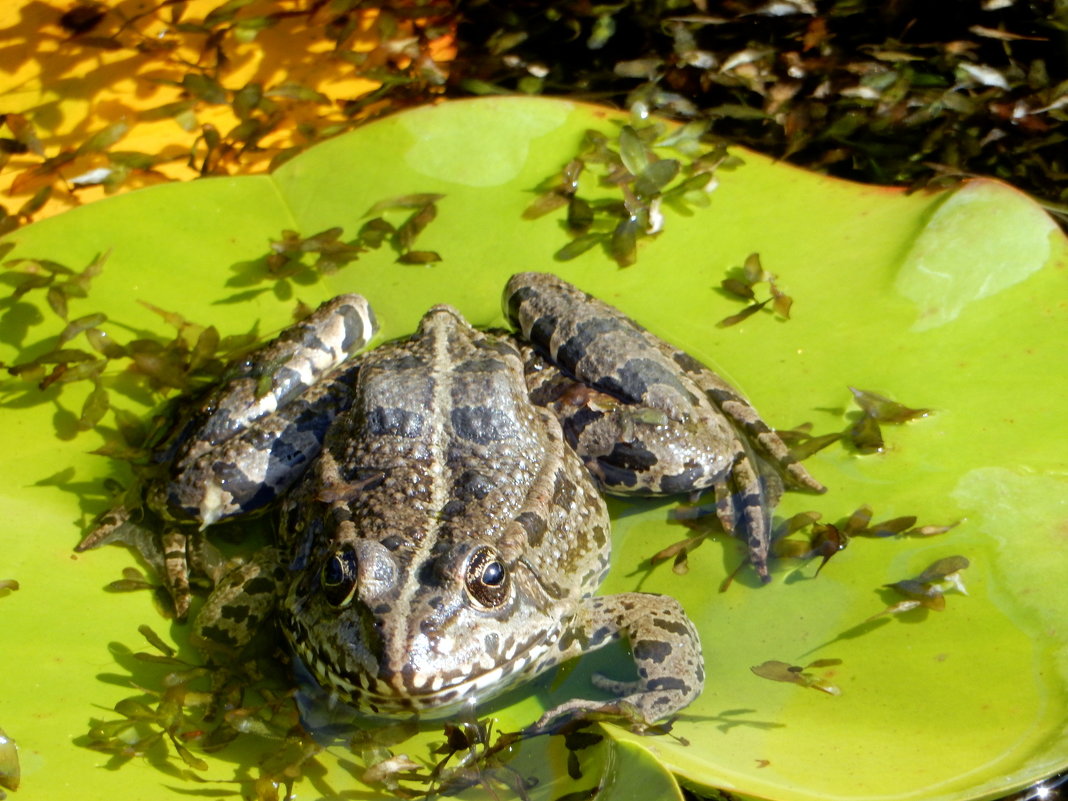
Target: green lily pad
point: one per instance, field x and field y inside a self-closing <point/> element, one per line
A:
<point x="949" y="302"/>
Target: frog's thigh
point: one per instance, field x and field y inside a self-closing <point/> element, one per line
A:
<point x="253" y="468"/>
<point x="239" y="605"/>
<point x="664" y="644"/>
<point x="636" y="450"/>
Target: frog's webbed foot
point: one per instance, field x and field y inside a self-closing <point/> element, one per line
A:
<point x="762" y="465"/>
<point x="744" y="500"/>
<point x="765" y="440"/>
<point x="111" y="526"/>
<point x="666" y="651"/>
<point x="173" y="552"/>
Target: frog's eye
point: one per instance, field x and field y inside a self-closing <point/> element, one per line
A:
<point x="338" y="578"/>
<point x="486" y="578"/>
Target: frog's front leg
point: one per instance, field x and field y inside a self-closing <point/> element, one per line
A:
<point x="243" y="600"/>
<point x="243" y="442"/>
<point x="663" y="642"/>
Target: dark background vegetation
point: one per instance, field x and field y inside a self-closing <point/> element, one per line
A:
<point x="900" y="92"/>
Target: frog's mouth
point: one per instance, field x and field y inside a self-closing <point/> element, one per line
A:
<point x="430" y="696"/>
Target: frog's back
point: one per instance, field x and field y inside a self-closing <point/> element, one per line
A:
<point x="440" y="434"/>
<point x="445" y="533"/>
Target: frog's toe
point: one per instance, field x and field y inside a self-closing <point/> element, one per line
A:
<point x="176" y="571"/>
<point x="618" y="710"/>
<point x="107" y="528"/>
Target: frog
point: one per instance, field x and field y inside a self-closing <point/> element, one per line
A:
<point x="442" y="525"/>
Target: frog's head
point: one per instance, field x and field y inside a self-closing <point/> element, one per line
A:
<point x="401" y="631"/>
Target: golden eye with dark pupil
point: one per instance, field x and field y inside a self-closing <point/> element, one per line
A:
<point x="338" y="578"/>
<point x="487" y="578"/>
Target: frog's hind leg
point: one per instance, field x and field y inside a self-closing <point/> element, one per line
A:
<point x="641" y="393"/>
<point x="249" y="437"/>
<point x="631" y="448"/>
<point x="747" y="419"/>
<point x="744" y="500"/>
<point x="253" y="468"/>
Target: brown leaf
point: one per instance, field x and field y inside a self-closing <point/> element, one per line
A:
<point x="884" y="410"/>
<point x="943" y="567"/>
<point x="866" y="435"/>
<point x="419" y="257"/>
<point x="892" y="527"/>
<point x="416" y="223"/>
<point x="413" y="201"/>
<point x="738" y="288"/>
<point x="623" y="244"/>
<point x="579" y="215"/>
<point x="807" y="447"/>
<point x="75" y="327"/>
<point x="930" y="531"/>
<point x="744" y="314"/>
<point x="578" y="246"/>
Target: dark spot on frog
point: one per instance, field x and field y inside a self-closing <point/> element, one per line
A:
<point x="652" y="650"/>
<point x="568" y="637"/>
<point x="687" y="362"/>
<point x="515" y="300"/>
<point x="495" y="345"/>
<point x="674" y="626"/>
<point x="249" y="495"/>
<point x="535" y="527"/>
<point x="634" y="378"/>
<point x="600" y="536"/>
<point x="286" y="457"/>
<point x="570" y="353"/>
<point x="218" y="635"/>
<point x="472" y="485"/>
<point x="682" y="482"/>
<point x="394" y="421"/>
<point x="612" y="476"/>
<point x="259" y="585"/>
<point x="601" y="635"/>
<point x="481" y="366"/>
<point x="669" y="683"/>
<point x="235" y="613"/>
<point x="630" y="456"/>
<point x="354" y="328"/>
<point x="405" y="361"/>
<point x="392" y="542"/>
<point x="453" y="509"/>
<point x="541" y="331"/>
<point x="482" y="424"/>
<point x="574" y="424"/>
<point x="563" y="491"/>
